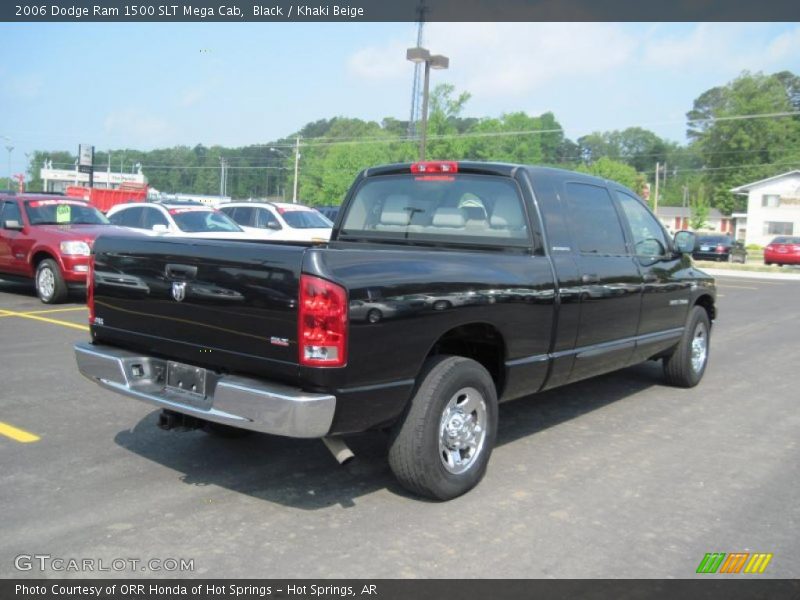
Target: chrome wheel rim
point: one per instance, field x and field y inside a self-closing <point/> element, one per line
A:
<point x="46" y="283"/>
<point x="699" y="347"/>
<point x="462" y="430"/>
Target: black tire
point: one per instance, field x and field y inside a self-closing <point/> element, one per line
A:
<point x="446" y="384"/>
<point x="225" y="431"/>
<point x="680" y="368"/>
<point x="441" y="305"/>
<point x="374" y="315"/>
<point x="50" y="286"/>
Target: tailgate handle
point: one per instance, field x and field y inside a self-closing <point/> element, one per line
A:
<point x="181" y="271"/>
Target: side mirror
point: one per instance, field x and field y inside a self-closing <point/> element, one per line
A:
<point x="684" y="242"/>
<point x="274" y="225"/>
<point x="160" y="228"/>
<point x="12" y="224"/>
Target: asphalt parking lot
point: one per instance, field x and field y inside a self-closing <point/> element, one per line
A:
<point x="618" y="476"/>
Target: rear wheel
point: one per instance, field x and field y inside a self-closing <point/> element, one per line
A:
<point x="687" y="364"/>
<point x="441" y="448"/>
<point x="50" y="286"/>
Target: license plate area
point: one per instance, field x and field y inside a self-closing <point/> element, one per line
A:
<point x="186" y="379"/>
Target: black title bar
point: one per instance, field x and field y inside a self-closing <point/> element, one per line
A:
<point x="398" y="10"/>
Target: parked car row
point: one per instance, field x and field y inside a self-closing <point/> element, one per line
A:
<point x="48" y="238"/>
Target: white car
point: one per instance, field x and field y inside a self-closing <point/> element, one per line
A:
<point x="280" y="220"/>
<point x="176" y="220"/>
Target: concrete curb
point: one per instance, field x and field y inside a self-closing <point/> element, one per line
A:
<point x="752" y="274"/>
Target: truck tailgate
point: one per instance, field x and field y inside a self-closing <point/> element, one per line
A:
<point x="230" y="304"/>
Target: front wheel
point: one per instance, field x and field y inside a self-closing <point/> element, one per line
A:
<point x="441" y="447"/>
<point x="50" y="286"/>
<point x="687" y="364"/>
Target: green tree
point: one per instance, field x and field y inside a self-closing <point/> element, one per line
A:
<point x="735" y="149"/>
<point x="616" y="171"/>
<point x="699" y="210"/>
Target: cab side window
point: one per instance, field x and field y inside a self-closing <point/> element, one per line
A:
<point x="648" y="235"/>
<point x="594" y="221"/>
<point x="130" y="217"/>
<point x="243" y="215"/>
<point x="9" y="211"/>
<point x="266" y="218"/>
<point x="153" y="216"/>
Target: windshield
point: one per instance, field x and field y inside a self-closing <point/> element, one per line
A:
<point x="305" y="219"/>
<point x="63" y="212"/>
<point x="196" y="221"/>
<point x="461" y="208"/>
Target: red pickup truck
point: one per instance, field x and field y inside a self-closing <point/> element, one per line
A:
<point x="48" y="239"/>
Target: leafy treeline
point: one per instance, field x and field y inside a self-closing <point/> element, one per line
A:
<point x="739" y="132"/>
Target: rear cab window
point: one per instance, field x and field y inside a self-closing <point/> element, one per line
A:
<point x="458" y="208"/>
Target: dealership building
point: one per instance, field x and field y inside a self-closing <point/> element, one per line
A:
<point x="773" y="208"/>
<point x="58" y="180"/>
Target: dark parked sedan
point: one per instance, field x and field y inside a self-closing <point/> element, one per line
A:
<point x="720" y="247"/>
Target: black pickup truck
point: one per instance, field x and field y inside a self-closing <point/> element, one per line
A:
<point x="446" y="287"/>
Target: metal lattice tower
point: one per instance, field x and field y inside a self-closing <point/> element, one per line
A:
<point x="416" y="86"/>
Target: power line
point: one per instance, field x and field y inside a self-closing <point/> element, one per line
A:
<point x="705" y="169"/>
<point x="325" y="140"/>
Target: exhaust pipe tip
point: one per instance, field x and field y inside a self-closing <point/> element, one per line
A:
<point x="341" y="452"/>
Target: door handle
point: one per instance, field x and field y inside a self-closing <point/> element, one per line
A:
<point x="590" y="278"/>
<point x="181" y="271"/>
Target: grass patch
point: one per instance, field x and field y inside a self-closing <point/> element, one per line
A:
<point x="759" y="267"/>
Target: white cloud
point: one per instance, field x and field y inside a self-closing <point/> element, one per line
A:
<point x="786" y="45"/>
<point x="704" y="45"/>
<point x="380" y="63"/>
<point x="26" y="87"/>
<point x="136" y="126"/>
<point x="191" y="97"/>
<point x="726" y="47"/>
<point x="495" y="59"/>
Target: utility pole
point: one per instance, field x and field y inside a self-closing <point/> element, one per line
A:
<point x="424" y="127"/>
<point x="655" y="196"/>
<point x="296" y="167"/>
<point x="221" y="177"/>
<point x="108" y="172"/>
<point x="10" y="149"/>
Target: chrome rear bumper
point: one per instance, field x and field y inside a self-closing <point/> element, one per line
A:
<point x="231" y="400"/>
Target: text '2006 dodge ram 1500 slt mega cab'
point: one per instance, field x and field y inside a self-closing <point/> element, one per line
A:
<point x="446" y="287"/>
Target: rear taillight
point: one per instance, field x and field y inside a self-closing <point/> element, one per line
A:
<point x="720" y="249"/>
<point x="90" y="289"/>
<point x="439" y="166"/>
<point x="322" y="323"/>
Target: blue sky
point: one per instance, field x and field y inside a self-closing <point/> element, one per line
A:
<point x="153" y="85"/>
